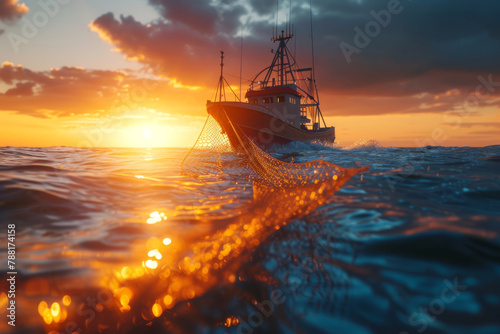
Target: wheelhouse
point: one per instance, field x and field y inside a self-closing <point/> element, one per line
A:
<point x="284" y="101"/>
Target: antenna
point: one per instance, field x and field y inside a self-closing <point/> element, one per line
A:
<point x="277" y="14"/>
<point x="241" y="61"/>
<point x="287" y="28"/>
<point x="312" y="41"/>
<point x="222" y="77"/>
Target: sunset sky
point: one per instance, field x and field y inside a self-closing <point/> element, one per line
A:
<point x="138" y="73"/>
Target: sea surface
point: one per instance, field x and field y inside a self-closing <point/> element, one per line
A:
<point x="118" y="241"/>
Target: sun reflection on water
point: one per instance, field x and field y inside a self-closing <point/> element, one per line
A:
<point x="156" y="217"/>
<point x="56" y="313"/>
<point x="173" y="270"/>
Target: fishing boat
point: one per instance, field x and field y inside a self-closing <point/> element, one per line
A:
<point x="281" y="104"/>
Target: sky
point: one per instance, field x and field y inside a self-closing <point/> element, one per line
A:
<point x="138" y="73"/>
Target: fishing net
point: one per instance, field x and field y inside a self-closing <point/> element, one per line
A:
<point x="181" y="285"/>
<point x="213" y="154"/>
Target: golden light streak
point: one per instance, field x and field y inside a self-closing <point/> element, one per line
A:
<point x="157" y="310"/>
<point x="66" y="300"/>
<point x="156" y="217"/>
<point x="55" y="309"/>
<point x="42" y="307"/>
<point x="168" y="300"/>
<point x="151" y="264"/>
<point x="124" y="300"/>
<point x="126" y="272"/>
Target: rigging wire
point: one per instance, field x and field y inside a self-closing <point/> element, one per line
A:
<point x="241" y="61"/>
<point x="314" y="66"/>
<point x="277" y="15"/>
<point x="238" y="77"/>
<point x="312" y="42"/>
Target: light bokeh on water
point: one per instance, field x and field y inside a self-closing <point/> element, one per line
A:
<point x="115" y="240"/>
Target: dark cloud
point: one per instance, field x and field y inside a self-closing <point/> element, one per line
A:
<point x="21" y="89"/>
<point x="205" y="17"/>
<point x="198" y="15"/>
<point x="427" y="59"/>
<point x="176" y="51"/>
<point x="10" y="11"/>
<point x="429" y="47"/>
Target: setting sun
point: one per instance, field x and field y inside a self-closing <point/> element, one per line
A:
<point x="147" y="134"/>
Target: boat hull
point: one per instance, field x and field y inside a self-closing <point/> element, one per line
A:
<point x="262" y="125"/>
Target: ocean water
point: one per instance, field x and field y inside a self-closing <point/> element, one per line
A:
<point x="118" y="241"/>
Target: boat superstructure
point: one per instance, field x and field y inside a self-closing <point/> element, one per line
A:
<point x="281" y="104"/>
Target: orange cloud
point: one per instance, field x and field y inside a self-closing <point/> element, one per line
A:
<point x="58" y="92"/>
<point x="71" y="91"/>
<point x="10" y="10"/>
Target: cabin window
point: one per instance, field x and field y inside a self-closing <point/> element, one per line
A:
<point x="291" y="100"/>
<point x="254" y="101"/>
<point x="281" y="99"/>
<point x="268" y="100"/>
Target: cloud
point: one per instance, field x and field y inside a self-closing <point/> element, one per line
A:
<point x="412" y="66"/>
<point x="61" y="91"/>
<point x="481" y="124"/>
<point x="412" y="62"/>
<point x="456" y="42"/>
<point x="198" y="15"/>
<point x="68" y="91"/>
<point x="10" y="10"/>
<point x="21" y="89"/>
<point x="58" y="92"/>
<point x="177" y="51"/>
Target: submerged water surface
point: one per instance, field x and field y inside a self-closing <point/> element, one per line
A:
<point x="116" y="240"/>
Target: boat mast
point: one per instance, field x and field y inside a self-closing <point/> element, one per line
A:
<point x="281" y="62"/>
<point x="241" y="62"/>
<point x="285" y="71"/>
<point x="222" y="91"/>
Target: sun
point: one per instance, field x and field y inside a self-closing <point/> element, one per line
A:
<point x="147" y="133"/>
